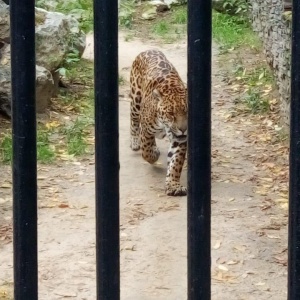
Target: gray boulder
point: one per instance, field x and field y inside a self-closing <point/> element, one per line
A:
<point x="175" y="2"/>
<point x="56" y="36"/>
<point x="44" y="84"/>
<point x="4" y="22"/>
<point x="45" y="88"/>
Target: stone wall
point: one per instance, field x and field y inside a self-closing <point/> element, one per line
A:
<point x="273" y="26"/>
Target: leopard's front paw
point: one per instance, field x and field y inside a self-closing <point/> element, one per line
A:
<point x="156" y="155"/>
<point x="152" y="156"/>
<point x="135" y="144"/>
<point x="175" y="189"/>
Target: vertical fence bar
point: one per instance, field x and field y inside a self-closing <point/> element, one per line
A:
<point x="22" y="18"/>
<point x="294" y="198"/>
<point x="199" y="149"/>
<point x="107" y="149"/>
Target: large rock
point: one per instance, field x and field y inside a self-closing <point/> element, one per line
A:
<point x="175" y="2"/>
<point x="44" y="84"/>
<point x="45" y="88"/>
<point x="4" y="22"/>
<point x="167" y="2"/>
<point x="56" y="36"/>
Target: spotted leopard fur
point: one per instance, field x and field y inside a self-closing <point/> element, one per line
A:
<point x="159" y="109"/>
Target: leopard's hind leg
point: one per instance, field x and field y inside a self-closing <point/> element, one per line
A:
<point x="135" y="108"/>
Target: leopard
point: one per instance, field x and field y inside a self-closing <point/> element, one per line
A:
<point x="158" y="110"/>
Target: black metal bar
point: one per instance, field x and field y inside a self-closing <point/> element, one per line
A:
<point x="22" y="18"/>
<point x="199" y="149"/>
<point x="294" y="197"/>
<point x="107" y="149"/>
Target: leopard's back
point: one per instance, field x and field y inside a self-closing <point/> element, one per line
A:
<point x="150" y="70"/>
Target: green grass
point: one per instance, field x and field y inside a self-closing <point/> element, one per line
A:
<point x="179" y="16"/>
<point x="121" y="80"/>
<point x="129" y="37"/>
<point x="126" y="12"/>
<point x="81" y="71"/>
<point x="233" y="32"/>
<point x="6" y="148"/>
<point x="259" y="76"/>
<point x="45" y="153"/>
<point x="255" y="102"/>
<point x="80" y="95"/>
<point x="257" y="84"/>
<point x="76" y="136"/>
<point x="171" y="28"/>
<point x="59" y="136"/>
<point x="161" y="28"/>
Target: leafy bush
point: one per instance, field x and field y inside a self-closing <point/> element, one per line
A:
<point x="236" y="6"/>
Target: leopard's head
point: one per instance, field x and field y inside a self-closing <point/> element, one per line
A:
<point x="172" y="111"/>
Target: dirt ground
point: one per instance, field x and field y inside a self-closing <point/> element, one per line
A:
<point x="249" y="235"/>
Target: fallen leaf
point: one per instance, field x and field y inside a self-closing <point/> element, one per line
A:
<point x="223" y="268"/>
<point x="6" y="185"/>
<point x="240" y="248"/>
<point x="270" y="236"/>
<point x="217" y="244"/>
<point x="221" y="260"/>
<point x="260" y="283"/>
<point x="232" y="262"/>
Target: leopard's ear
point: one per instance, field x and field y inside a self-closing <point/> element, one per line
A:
<point x="156" y="95"/>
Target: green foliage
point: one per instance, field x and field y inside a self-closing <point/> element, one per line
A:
<point x="256" y="84"/>
<point x="6" y="148"/>
<point x="75" y="136"/>
<point x="126" y="11"/>
<point x="237" y="6"/>
<point x="121" y="80"/>
<point x="45" y="153"/>
<point x="72" y="57"/>
<point x="255" y="102"/>
<point x="259" y="76"/>
<point x="232" y="32"/>
<point x="161" y="28"/>
<point x="180" y="15"/>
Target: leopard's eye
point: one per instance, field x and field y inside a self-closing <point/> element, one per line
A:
<point x="171" y="117"/>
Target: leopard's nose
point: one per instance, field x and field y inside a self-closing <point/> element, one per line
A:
<point x="183" y="131"/>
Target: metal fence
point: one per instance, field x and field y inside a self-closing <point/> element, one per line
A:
<point x="294" y="202"/>
<point x="107" y="151"/>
